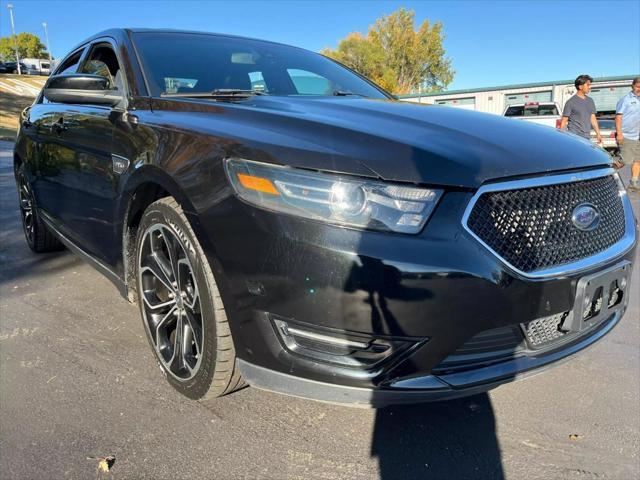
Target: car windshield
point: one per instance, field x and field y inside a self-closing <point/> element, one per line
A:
<point x="182" y="63"/>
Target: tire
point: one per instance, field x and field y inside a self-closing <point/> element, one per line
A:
<point x="39" y="238"/>
<point x="174" y="275"/>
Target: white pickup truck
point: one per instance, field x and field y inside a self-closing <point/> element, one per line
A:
<point x="544" y="113"/>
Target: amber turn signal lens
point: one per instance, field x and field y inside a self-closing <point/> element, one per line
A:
<point x="257" y="183"/>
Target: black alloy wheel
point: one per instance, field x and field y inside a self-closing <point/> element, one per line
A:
<point x="171" y="302"/>
<point x="181" y="307"/>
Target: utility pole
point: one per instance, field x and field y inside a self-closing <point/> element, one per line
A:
<point x="46" y="36"/>
<point x="15" y="39"/>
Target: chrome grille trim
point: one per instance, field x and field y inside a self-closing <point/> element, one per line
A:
<point x="620" y="248"/>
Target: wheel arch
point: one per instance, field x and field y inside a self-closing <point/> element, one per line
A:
<point x="146" y="185"/>
<point x="17" y="161"/>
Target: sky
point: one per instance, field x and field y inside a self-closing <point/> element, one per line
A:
<point x="490" y="43"/>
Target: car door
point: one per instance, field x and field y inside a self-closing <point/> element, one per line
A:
<point x="82" y="144"/>
<point x="52" y="155"/>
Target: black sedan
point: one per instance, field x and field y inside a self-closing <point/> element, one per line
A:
<point x="284" y="222"/>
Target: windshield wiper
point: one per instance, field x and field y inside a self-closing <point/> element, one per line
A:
<point x="217" y="93"/>
<point x="344" y="93"/>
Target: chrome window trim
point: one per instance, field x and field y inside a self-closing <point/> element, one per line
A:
<point x="618" y="249"/>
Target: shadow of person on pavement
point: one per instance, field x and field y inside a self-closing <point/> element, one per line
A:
<point x="444" y="440"/>
<point x="453" y="439"/>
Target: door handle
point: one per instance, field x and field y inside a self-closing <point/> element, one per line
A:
<point x="59" y="126"/>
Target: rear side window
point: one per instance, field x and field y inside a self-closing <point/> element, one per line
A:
<point x="531" y="111"/>
<point x="514" y="112"/>
<point x="607" y="124"/>
<point x="547" y="110"/>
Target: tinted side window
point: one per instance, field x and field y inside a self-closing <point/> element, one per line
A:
<point x="103" y="61"/>
<point x="71" y="64"/>
<point x="547" y="110"/>
<point x="514" y="112"/>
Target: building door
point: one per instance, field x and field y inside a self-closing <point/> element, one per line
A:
<point x="514" y="98"/>
<point x="465" y="103"/>
<point x="606" y="98"/>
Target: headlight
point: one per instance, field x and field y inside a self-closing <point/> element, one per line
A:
<point x="332" y="198"/>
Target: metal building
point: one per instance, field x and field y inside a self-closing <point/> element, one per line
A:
<point x="605" y="91"/>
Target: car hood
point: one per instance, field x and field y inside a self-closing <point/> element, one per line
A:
<point x="403" y="141"/>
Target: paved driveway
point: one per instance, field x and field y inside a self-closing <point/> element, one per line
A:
<point x="77" y="380"/>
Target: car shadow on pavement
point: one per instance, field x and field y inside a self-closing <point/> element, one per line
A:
<point x="452" y="439"/>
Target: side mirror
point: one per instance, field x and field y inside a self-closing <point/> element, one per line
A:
<point x="81" y="88"/>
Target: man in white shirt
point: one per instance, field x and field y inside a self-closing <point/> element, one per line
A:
<point x="628" y="131"/>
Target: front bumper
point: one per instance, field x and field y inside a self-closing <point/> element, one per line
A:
<point x="429" y="388"/>
<point x="433" y="291"/>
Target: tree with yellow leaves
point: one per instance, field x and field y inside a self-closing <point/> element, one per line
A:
<point x="396" y="56"/>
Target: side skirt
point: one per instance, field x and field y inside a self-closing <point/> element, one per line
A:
<point x="87" y="257"/>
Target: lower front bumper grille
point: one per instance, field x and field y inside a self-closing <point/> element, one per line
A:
<point x="499" y="344"/>
<point x="545" y="330"/>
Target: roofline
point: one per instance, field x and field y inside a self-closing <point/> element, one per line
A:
<point x="513" y="87"/>
<point x="200" y="32"/>
<point x="126" y="32"/>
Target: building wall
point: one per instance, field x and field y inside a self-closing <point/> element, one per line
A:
<point x="493" y="100"/>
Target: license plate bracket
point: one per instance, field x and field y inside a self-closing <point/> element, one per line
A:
<point x="598" y="296"/>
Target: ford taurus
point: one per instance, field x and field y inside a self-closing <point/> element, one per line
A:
<point x="283" y="222"/>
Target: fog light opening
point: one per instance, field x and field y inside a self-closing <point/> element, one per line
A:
<point x="339" y="348"/>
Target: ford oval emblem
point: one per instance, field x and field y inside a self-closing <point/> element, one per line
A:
<point x="585" y="217"/>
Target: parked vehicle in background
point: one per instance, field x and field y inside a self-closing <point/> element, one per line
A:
<point x="313" y="235"/>
<point x="12" y="67"/>
<point x="3" y="68"/>
<point x="42" y="66"/>
<point x="607" y="126"/>
<point x="543" y="113"/>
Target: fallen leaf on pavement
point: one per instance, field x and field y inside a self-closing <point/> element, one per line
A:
<point x="105" y="464"/>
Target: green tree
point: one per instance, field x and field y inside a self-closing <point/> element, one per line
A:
<point x="396" y="56"/>
<point x="29" y="46"/>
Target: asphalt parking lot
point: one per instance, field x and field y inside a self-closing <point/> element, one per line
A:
<point x="78" y="380"/>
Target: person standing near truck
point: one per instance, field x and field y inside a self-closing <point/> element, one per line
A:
<point x="628" y="131"/>
<point x="579" y="114"/>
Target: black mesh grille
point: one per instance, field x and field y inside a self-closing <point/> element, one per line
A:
<point x="531" y="228"/>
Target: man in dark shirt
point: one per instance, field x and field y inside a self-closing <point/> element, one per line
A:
<point x="579" y="113"/>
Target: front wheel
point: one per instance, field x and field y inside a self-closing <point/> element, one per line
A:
<point x="181" y="307"/>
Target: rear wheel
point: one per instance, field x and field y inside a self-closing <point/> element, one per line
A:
<point x="181" y="307"/>
<point x="39" y="238"/>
